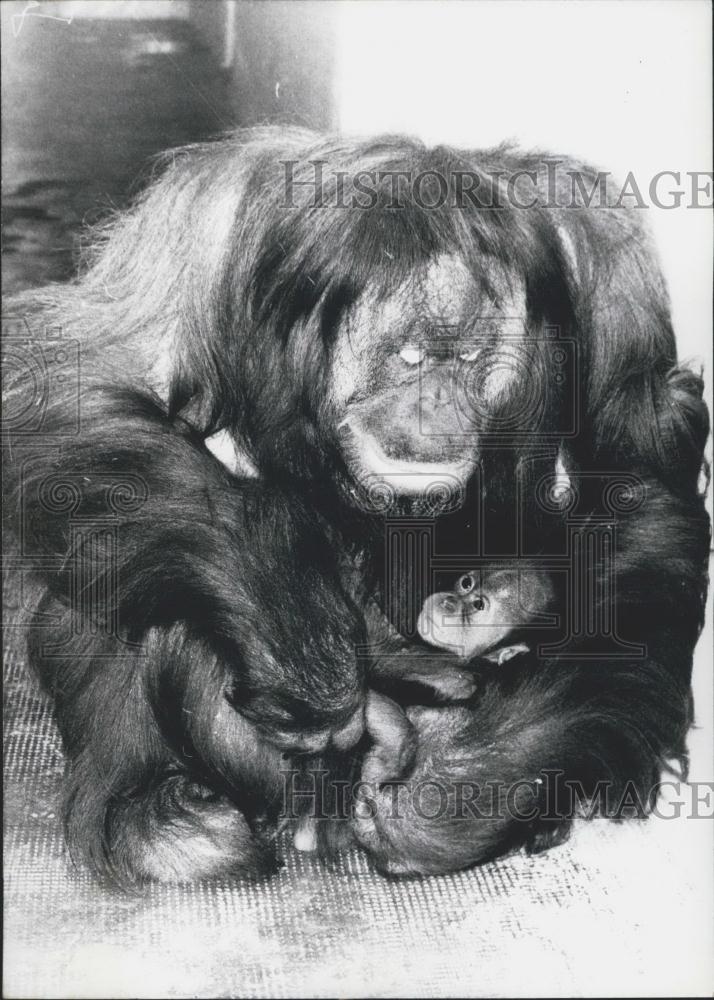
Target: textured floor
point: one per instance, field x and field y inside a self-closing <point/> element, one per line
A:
<point x="621" y="909"/>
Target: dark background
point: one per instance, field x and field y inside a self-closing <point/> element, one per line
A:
<point x="86" y="103"/>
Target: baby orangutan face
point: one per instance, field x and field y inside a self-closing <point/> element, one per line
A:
<point x="482" y="610"/>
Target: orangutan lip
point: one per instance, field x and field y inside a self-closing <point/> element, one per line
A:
<point x="379" y="458"/>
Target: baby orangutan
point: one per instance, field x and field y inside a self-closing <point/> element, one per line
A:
<point x="421" y="806"/>
<point x="482" y="610"/>
<point x="468" y="624"/>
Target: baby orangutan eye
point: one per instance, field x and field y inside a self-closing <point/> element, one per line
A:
<point x="412" y="355"/>
<point x="465" y="584"/>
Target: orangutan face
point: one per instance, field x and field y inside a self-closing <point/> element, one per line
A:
<point x="416" y="375"/>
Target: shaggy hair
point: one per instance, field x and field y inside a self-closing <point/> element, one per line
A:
<point x="199" y="627"/>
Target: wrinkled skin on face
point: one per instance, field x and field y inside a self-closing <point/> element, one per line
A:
<point x="482" y="610"/>
<point x="415" y="375"/>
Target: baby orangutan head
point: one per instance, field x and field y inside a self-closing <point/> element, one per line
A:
<point x="482" y="610"/>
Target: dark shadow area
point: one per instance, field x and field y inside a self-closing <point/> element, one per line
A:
<point x="87" y="104"/>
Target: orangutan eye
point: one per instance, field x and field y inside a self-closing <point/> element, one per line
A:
<point x="470" y="355"/>
<point x="412" y="355"/>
